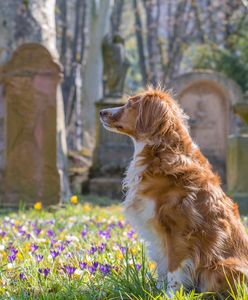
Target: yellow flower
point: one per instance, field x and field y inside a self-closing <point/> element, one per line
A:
<point x="27" y="247"/>
<point x="74" y="199"/>
<point x="87" y="207"/>
<point x="19" y="256"/>
<point x="133" y="251"/>
<point x="38" y="206"/>
<point x="152" y="265"/>
<point x="119" y="255"/>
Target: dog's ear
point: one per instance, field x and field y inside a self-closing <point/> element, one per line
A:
<point x="152" y="116"/>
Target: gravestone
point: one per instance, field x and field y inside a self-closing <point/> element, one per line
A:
<point x="112" y="151"/>
<point x="237" y="159"/>
<point x="206" y="97"/>
<point x="33" y="133"/>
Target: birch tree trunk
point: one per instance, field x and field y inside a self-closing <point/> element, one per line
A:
<point x="92" y="90"/>
<point x="24" y="23"/>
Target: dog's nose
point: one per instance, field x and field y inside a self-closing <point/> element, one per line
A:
<point x="103" y="113"/>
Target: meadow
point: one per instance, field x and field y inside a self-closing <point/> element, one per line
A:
<point x="78" y="251"/>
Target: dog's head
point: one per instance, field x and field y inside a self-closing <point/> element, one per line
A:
<point x="147" y="115"/>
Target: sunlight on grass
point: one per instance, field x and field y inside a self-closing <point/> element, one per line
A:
<point x="81" y="251"/>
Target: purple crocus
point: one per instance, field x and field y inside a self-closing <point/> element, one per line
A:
<point x="39" y="258"/>
<point x="60" y="247"/>
<point x="105" y="269"/>
<point x="122" y="249"/>
<point x="21" y="276"/>
<point x="54" y="254"/>
<point x="102" y="247"/>
<point x="93" y="267"/>
<point x="130" y="233"/>
<point x="37" y="231"/>
<point x="82" y="265"/>
<point x="2" y="233"/>
<point x="120" y="224"/>
<point x="34" y="247"/>
<point x="44" y="271"/>
<point x="13" y="251"/>
<point x="12" y="255"/>
<point x="84" y="232"/>
<point x="92" y="250"/>
<point x="105" y="234"/>
<point x="50" y="233"/>
<point x="138" y="267"/>
<point x="70" y="270"/>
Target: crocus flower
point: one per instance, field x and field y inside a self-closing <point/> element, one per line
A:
<point x="130" y="233"/>
<point x="37" y="231"/>
<point x="101" y="247"/>
<point x="22" y="276"/>
<point x="74" y="199"/>
<point x="105" y="234"/>
<point x="12" y="255"/>
<point x="50" y="233"/>
<point x="54" y="253"/>
<point x="34" y="247"/>
<point x="91" y="269"/>
<point x="11" y="258"/>
<point x="69" y="270"/>
<point x="82" y="265"/>
<point x="60" y="247"/>
<point x="84" y="232"/>
<point x="13" y="251"/>
<point x="2" y="233"/>
<point x="39" y="258"/>
<point x="120" y="224"/>
<point x="105" y="269"/>
<point x="92" y="250"/>
<point x="44" y="271"/>
<point x="38" y="206"/>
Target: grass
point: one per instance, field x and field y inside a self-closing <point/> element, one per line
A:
<point x="81" y="251"/>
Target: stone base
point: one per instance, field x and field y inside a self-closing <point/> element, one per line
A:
<point x="242" y="200"/>
<point x="108" y="187"/>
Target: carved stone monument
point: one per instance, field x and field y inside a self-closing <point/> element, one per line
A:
<point x="113" y="151"/>
<point x="207" y="97"/>
<point x="31" y="168"/>
<point x="115" y="65"/>
<point x="237" y="159"/>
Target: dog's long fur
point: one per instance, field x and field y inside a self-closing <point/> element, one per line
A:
<point x="174" y="199"/>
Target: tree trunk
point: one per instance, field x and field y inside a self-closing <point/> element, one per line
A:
<point x="152" y="40"/>
<point x="24" y="23"/>
<point x="116" y="16"/>
<point x="92" y="72"/>
<point x="140" y="42"/>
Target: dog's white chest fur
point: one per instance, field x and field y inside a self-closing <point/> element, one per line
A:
<point x="140" y="212"/>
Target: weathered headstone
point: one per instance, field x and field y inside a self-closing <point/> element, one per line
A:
<point x="31" y="169"/>
<point x="207" y="97"/>
<point x="111" y="156"/>
<point x="113" y="151"/>
<point x="237" y="159"/>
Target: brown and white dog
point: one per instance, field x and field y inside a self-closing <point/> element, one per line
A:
<point x="174" y="200"/>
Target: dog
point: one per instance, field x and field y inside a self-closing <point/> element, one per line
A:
<point x="174" y="200"/>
